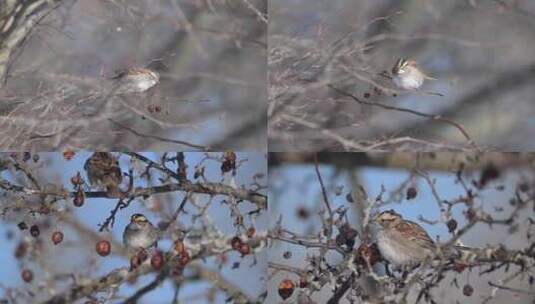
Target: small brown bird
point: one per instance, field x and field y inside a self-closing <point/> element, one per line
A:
<point x="135" y="80"/>
<point x="103" y="171"/>
<point x="403" y="242"/>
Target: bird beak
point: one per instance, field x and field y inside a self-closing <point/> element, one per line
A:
<point x="376" y="218"/>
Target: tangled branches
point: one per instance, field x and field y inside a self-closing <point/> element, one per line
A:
<point x="183" y="194"/>
<point x="345" y="260"/>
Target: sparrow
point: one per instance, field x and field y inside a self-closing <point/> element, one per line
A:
<point x="103" y="170"/>
<point x="140" y="233"/>
<point x="135" y="80"/>
<point x="405" y="243"/>
<point x="407" y="75"/>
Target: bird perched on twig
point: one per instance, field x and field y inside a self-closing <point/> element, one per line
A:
<point x="407" y="75"/>
<point x="103" y="171"/>
<point x="135" y="80"/>
<point x="140" y="233"/>
<point x="405" y="243"/>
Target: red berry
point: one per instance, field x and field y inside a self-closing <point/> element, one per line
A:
<point x="57" y="237"/>
<point x="34" y="231"/>
<point x="303" y="213"/>
<point x="286" y="288"/>
<point x="452" y="225"/>
<point x="184" y="259"/>
<point x="229" y="161"/>
<point x="367" y="253"/>
<point x="103" y="248"/>
<point x="27" y="275"/>
<point x="79" y="198"/>
<point x="459" y="267"/>
<point x="251" y="232"/>
<point x="157" y="260"/>
<point x="21" y="250"/>
<point x="303" y="282"/>
<point x="235" y="243"/>
<point x="468" y="290"/>
<point x="245" y="249"/>
<point x="411" y="193"/>
<point x="68" y="154"/>
<point x="77" y="179"/>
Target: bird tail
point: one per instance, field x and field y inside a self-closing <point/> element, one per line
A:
<point x="113" y="191"/>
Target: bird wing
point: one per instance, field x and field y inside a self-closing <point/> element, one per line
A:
<point x="413" y="231"/>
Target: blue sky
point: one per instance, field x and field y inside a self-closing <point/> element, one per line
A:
<point x="303" y="189"/>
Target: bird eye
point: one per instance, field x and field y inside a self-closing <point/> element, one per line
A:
<point x="138" y="218"/>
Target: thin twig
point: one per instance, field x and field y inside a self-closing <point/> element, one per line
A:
<point x="110" y="220"/>
<point x="180" y="142"/>
<point x="256" y="11"/>
<point x="324" y="192"/>
<point x="511" y="289"/>
<point x="147" y="288"/>
<point x="414" y="112"/>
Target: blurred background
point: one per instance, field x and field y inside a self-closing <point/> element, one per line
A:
<point x="297" y="207"/>
<point x="210" y="56"/>
<point x="57" y="268"/>
<point x="481" y="53"/>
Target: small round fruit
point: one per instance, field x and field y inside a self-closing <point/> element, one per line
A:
<point x="21" y="250"/>
<point x="452" y="225"/>
<point x="27" y="275"/>
<point x="286" y="288"/>
<point x="411" y="193"/>
<point x="468" y="290"/>
<point x="57" y="237"/>
<point x="34" y="231"/>
<point x="251" y="232"/>
<point x="156" y="261"/>
<point x="184" y="259"/>
<point x="68" y="154"/>
<point x="236" y="243"/>
<point x="103" y="248"/>
<point x="245" y="249"/>
<point x="79" y="198"/>
<point x="77" y="180"/>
